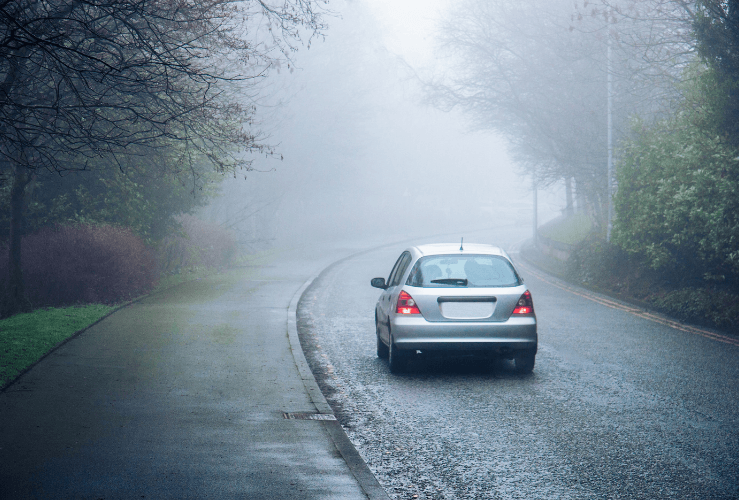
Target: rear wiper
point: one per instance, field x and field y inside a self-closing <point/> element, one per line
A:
<point x="451" y="281"/>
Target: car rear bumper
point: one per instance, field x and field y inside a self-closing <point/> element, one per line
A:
<point x="414" y="332"/>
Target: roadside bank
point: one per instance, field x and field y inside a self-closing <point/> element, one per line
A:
<point x="588" y="261"/>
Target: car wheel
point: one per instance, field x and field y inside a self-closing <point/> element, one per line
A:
<point x="397" y="358"/>
<point x="382" y="350"/>
<point x="524" y="361"/>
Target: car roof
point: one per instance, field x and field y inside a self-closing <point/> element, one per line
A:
<point x="453" y="248"/>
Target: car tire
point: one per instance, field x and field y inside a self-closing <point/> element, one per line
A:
<point x="524" y="362"/>
<point x="383" y="351"/>
<point x="397" y="358"/>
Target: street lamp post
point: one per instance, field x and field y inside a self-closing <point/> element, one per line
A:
<point x="609" y="86"/>
<point x="536" y="209"/>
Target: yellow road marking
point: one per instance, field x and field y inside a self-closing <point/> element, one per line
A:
<point x="631" y="309"/>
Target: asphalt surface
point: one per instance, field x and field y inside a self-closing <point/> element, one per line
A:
<point x="185" y="394"/>
<point x="620" y="405"/>
<point x="182" y="395"/>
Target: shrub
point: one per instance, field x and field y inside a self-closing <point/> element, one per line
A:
<point x="66" y="265"/>
<point x="706" y="305"/>
<point x="609" y="268"/>
<point x="677" y="204"/>
<point x="199" y="245"/>
<point x="595" y="262"/>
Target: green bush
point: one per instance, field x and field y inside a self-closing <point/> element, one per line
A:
<point x="608" y="268"/>
<point x="594" y="262"/>
<point x="675" y="240"/>
<point x="677" y="205"/>
<point x="142" y="197"/>
<point x="705" y="305"/>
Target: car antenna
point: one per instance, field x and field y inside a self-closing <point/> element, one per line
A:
<point x="461" y="245"/>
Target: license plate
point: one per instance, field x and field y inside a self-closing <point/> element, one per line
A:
<point x="467" y="310"/>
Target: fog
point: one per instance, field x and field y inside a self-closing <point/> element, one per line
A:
<point x="362" y="155"/>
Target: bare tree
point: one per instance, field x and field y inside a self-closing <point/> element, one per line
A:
<point x="653" y="43"/>
<point x="537" y="72"/>
<point x="666" y="36"/>
<point x="520" y="69"/>
<point x="85" y="80"/>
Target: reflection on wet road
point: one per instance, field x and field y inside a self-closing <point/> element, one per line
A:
<point x="618" y="406"/>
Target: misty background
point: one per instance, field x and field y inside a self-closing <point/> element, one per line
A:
<point x="359" y="153"/>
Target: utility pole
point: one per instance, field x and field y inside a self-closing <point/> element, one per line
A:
<point x="536" y="209"/>
<point x="609" y="86"/>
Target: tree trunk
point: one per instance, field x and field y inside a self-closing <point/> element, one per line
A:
<point x="16" y="297"/>
<point x="581" y="200"/>
<point x="569" y="209"/>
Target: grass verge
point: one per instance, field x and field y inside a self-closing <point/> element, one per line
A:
<point x="570" y="230"/>
<point x="25" y="338"/>
<point x="193" y="273"/>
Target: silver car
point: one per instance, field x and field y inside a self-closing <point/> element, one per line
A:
<point x="445" y="297"/>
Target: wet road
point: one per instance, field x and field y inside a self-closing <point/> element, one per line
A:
<point x="181" y="395"/>
<point x="618" y="406"/>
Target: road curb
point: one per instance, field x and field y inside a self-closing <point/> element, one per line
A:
<point x="306" y="375"/>
<point x="359" y="468"/>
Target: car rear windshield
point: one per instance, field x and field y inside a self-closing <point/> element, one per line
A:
<point x="463" y="270"/>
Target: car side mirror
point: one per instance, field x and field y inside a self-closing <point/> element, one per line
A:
<point x="379" y="283"/>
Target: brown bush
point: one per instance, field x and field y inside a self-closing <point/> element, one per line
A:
<point x="68" y="265"/>
<point x="201" y="245"/>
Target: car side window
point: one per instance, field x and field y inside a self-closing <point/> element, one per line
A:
<point x="399" y="270"/>
<point x="395" y="269"/>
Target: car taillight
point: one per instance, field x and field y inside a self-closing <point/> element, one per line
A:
<point x="525" y="304"/>
<point x="406" y="304"/>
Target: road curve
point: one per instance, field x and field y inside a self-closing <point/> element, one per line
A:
<point x="620" y="404"/>
<point x="183" y="394"/>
